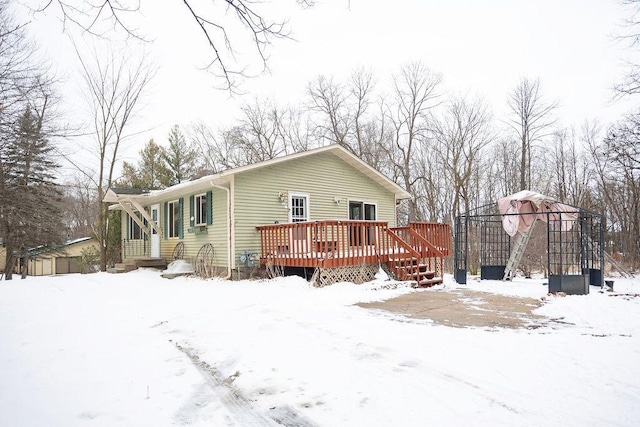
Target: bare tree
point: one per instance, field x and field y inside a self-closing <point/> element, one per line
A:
<point x="80" y="208"/>
<point x="342" y="114"/>
<point x="224" y="26"/>
<point x="414" y="96"/>
<point x="462" y="135"/>
<point x="330" y="100"/>
<point x="571" y="173"/>
<point x="261" y="126"/>
<point x="630" y="33"/>
<point x="616" y="161"/>
<point x="113" y="92"/>
<point x="296" y="130"/>
<point x="531" y="119"/>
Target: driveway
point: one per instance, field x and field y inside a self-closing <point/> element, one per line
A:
<point x="464" y="308"/>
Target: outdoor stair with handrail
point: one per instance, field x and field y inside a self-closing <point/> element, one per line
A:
<point x="406" y="263"/>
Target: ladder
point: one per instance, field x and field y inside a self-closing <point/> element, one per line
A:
<point x="614" y="264"/>
<point x="519" y="245"/>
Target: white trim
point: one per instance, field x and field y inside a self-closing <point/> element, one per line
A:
<point x="229" y="222"/>
<point x="196" y="208"/>
<point x="307" y="206"/>
<point x="231" y="206"/>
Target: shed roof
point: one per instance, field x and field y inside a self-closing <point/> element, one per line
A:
<point x="44" y="249"/>
<point x="224" y="176"/>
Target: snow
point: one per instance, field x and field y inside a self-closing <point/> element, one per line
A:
<point x="137" y="350"/>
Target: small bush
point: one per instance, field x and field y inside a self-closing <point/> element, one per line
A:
<point x="89" y="260"/>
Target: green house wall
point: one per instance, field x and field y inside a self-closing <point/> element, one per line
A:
<point x="216" y="233"/>
<point x="324" y="177"/>
<point x="328" y="180"/>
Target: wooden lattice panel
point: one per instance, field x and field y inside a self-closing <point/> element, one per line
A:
<point x="354" y="274"/>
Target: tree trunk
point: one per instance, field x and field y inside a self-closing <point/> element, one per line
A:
<point x="23" y="267"/>
<point x="10" y="260"/>
<point x="104" y="214"/>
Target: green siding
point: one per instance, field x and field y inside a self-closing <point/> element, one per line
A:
<point x="323" y="177"/>
<point x="216" y="232"/>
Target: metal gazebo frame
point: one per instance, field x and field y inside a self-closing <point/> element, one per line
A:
<point x="575" y="247"/>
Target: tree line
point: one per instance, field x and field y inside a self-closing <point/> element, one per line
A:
<point x="447" y="150"/>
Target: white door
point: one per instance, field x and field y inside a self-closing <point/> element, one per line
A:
<point x="155" y="237"/>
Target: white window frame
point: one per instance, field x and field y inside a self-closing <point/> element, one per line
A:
<point x="307" y="216"/>
<point x="363" y="203"/>
<point x="173" y="209"/>
<point x="200" y="208"/>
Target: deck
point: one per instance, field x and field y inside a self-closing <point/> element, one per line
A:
<point x="414" y="252"/>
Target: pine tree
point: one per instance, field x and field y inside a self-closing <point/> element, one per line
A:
<point x="30" y="213"/>
<point x="181" y="158"/>
<point x="151" y="173"/>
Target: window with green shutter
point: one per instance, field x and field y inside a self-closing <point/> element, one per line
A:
<point x="201" y="209"/>
<point x="174" y="218"/>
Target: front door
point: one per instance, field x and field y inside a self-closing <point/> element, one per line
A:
<point x="155" y="237"/>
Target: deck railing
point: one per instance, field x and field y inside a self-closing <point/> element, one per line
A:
<point x="330" y="243"/>
<point x="135" y="248"/>
<point x="335" y="243"/>
<point x="437" y="234"/>
<point x="429" y="254"/>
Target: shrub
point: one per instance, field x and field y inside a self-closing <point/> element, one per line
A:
<point x="89" y="260"/>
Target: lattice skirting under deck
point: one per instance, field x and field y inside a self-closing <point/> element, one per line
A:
<point x="354" y="274"/>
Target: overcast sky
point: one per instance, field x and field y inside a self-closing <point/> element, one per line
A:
<point x="480" y="47"/>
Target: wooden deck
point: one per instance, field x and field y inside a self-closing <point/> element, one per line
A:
<point x="413" y="252"/>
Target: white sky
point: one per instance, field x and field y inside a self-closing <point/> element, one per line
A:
<point x="481" y="48"/>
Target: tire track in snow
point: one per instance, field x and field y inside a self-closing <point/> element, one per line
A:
<point x="242" y="412"/>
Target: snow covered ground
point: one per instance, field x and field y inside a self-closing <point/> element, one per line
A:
<point x="138" y="350"/>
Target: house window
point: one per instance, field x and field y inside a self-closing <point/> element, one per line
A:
<point x="174" y="218"/>
<point x="134" y="232"/>
<point x="298" y="207"/>
<point x="200" y="207"/>
<point x="362" y="211"/>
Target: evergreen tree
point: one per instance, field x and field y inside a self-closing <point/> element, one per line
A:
<point x="30" y="213"/>
<point x="181" y="158"/>
<point x="151" y="172"/>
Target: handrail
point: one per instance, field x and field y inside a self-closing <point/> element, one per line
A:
<point x="428" y="244"/>
<point x="406" y="260"/>
<point x="132" y="248"/>
<point x="334" y="243"/>
<point x="330" y="243"/>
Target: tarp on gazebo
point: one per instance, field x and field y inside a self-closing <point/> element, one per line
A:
<point x="521" y="209"/>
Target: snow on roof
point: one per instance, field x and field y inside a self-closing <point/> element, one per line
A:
<point x="43" y="248"/>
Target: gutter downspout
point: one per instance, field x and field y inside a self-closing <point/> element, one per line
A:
<point x="229" y="254"/>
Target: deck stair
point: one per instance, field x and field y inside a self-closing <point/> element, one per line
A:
<point x="411" y="269"/>
<point x="134" y="264"/>
<point x="519" y="246"/>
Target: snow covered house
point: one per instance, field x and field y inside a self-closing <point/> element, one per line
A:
<point x="324" y="209"/>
